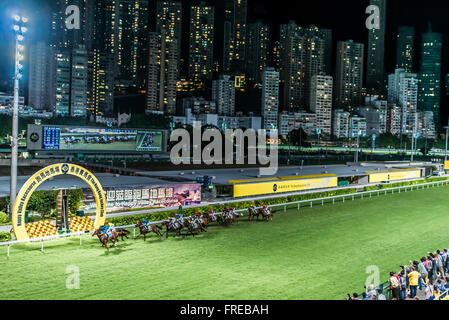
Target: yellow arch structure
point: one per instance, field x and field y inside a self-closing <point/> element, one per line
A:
<point x="18" y="214"/>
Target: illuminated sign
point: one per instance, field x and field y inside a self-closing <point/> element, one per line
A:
<point x="24" y="195"/>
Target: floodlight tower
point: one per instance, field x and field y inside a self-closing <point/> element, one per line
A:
<point x="20" y="29"/>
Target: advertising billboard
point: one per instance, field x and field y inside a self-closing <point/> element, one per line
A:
<point x="103" y="139"/>
<point x="394" y="175"/>
<point x="154" y="196"/>
<point x="281" y="185"/>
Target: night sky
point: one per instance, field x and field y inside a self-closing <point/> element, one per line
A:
<point x="346" y="18"/>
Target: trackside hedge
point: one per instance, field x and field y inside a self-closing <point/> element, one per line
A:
<point x="163" y="215"/>
<point x="5" y="237"/>
<point x="411" y="183"/>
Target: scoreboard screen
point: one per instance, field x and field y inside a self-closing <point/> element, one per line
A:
<point x="51" y="138"/>
<point x="87" y="139"/>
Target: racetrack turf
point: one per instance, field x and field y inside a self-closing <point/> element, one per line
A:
<point x="316" y="253"/>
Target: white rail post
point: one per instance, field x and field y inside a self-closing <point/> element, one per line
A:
<point x="8" y="250"/>
<point x="42" y="245"/>
<point x="299" y="205"/>
<point x="134" y="232"/>
<point x="285" y="208"/>
<point x="81" y="239"/>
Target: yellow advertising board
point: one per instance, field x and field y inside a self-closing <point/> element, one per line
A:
<point x="446" y="165"/>
<point x="280" y="185"/>
<point x="24" y="195"/>
<point x="394" y="175"/>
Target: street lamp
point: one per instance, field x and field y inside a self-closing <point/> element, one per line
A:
<point x="445" y="150"/>
<point x="358" y="146"/>
<point x="19" y="30"/>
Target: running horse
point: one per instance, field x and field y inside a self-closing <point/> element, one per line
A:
<point x="266" y="214"/>
<point x="228" y="217"/>
<point x="193" y="225"/>
<point x="253" y="213"/>
<point x="104" y="238"/>
<point x="175" y="227"/>
<point x="122" y="233"/>
<point x="144" y="230"/>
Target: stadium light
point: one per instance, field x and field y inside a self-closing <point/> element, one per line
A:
<point x="19" y="29"/>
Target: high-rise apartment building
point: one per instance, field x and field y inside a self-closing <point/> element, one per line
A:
<point x="62" y="83"/>
<point x="235" y="35"/>
<point x="321" y="102"/>
<point x="270" y="98"/>
<point x="302" y="54"/>
<point x="349" y="75"/>
<point x="41" y="94"/>
<point x="405" y="51"/>
<point x="375" y="74"/>
<point x="169" y="17"/>
<point x="162" y="73"/>
<point x="258" y="50"/>
<point x="340" y="123"/>
<point x="100" y="88"/>
<point x="201" y="51"/>
<point x="223" y="93"/>
<point x="430" y="74"/>
<point x="79" y="82"/>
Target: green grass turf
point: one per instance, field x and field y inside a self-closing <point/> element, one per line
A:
<point x="317" y="253"/>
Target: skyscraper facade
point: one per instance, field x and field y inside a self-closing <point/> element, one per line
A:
<point x="162" y="73"/>
<point x="258" y="50"/>
<point x="302" y="52"/>
<point x="100" y="88"/>
<point x="62" y="83"/>
<point x="430" y="74"/>
<point x="270" y="99"/>
<point x="235" y="35"/>
<point x="201" y="51"/>
<point x="349" y="75"/>
<point x="408" y="102"/>
<point x="321" y="101"/>
<point x="78" y="82"/>
<point x="132" y="28"/>
<point x="405" y="51"/>
<point x="375" y="76"/>
<point x="169" y="17"/>
<point x="41" y="77"/>
<point x="62" y="37"/>
<point x="223" y="93"/>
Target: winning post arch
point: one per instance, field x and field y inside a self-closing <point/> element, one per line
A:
<point x="24" y="195"/>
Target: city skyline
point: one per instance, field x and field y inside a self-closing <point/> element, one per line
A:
<point x="117" y="41"/>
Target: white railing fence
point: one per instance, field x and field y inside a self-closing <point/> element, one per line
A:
<point x="297" y="204"/>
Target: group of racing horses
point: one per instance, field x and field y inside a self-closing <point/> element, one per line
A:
<point x="193" y="225"/>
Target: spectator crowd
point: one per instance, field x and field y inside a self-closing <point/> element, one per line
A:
<point x="426" y="279"/>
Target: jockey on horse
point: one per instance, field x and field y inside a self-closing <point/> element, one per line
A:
<point x="107" y="229"/>
<point x="146" y="223"/>
<point x="229" y="213"/>
<point x="179" y="218"/>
